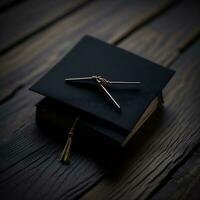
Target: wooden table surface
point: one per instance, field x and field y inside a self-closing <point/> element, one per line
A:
<point x="161" y="162"/>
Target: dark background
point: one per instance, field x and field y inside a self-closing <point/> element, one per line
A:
<point x="162" y="161"/>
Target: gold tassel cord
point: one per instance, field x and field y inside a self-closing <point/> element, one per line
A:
<point x="66" y="151"/>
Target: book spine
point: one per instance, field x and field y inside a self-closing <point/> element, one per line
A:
<point x="52" y="120"/>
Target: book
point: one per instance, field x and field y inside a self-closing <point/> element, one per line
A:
<point x="63" y="102"/>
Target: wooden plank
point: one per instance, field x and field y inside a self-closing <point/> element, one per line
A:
<point x="164" y="141"/>
<point x="165" y="125"/>
<point x="174" y="131"/>
<point x="26" y="18"/>
<point x="39" y="166"/>
<point x="29" y="174"/>
<point x="184" y="183"/>
<point x="24" y="144"/>
<point x="26" y="63"/>
<point x="163" y="40"/>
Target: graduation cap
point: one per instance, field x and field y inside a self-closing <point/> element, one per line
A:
<point x="130" y="90"/>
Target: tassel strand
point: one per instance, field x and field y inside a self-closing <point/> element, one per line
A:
<point x="65" y="155"/>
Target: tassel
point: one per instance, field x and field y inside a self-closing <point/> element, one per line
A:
<point x="66" y="151"/>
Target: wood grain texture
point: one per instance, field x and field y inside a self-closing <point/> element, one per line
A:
<point x="24" y="143"/>
<point x="26" y="63"/>
<point x="164" y="141"/>
<point x="163" y="40"/>
<point x="28" y="17"/>
<point x="30" y="168"/>
<point x="184" y="183"/>
<point x="171" y="135"/>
